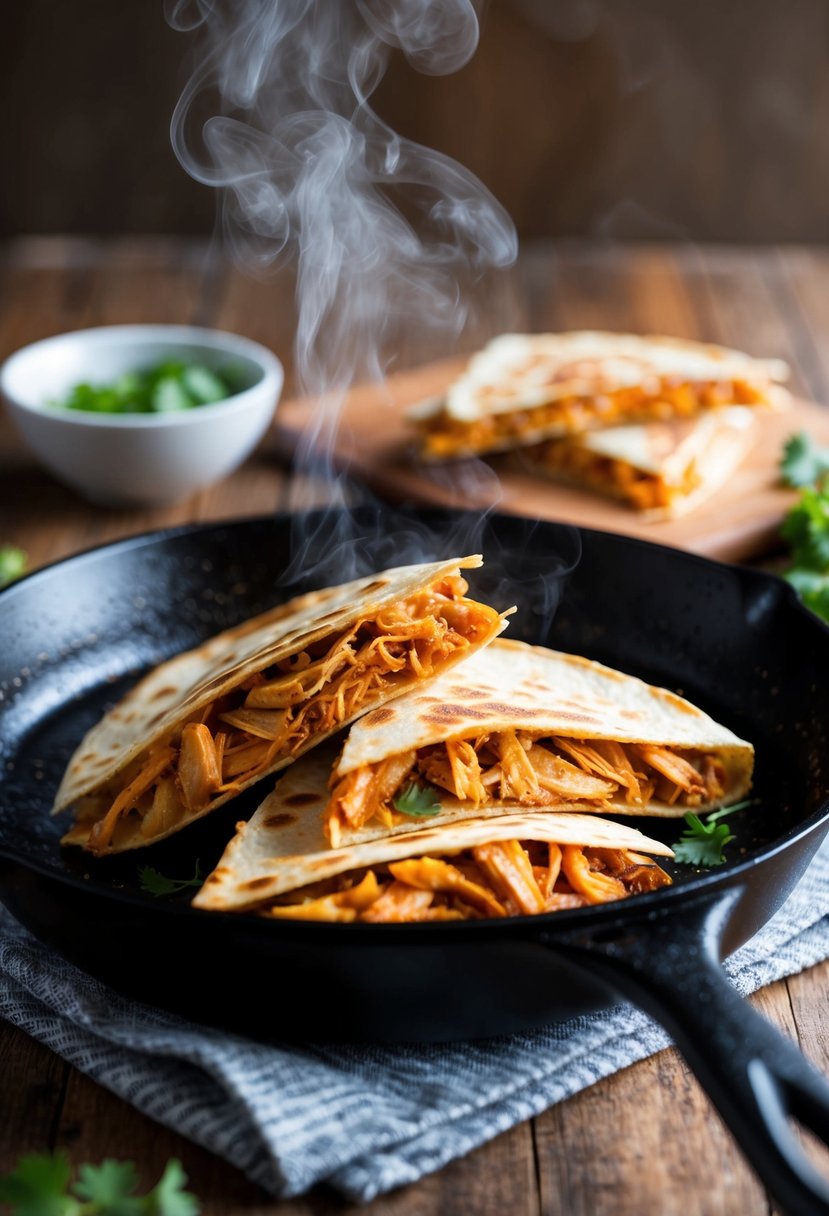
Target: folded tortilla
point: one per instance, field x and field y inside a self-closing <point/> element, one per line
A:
<point x="280" y="864"/>
<point x="663" y="469"/>
<point x="526" y="387"/>
<point x="534" y="728"/>
<point x="205" y="725"/>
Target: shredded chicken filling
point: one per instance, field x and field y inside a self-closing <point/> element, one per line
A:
<point x="273" y="713"/>
<point x="533" y="770"/>
<point x="445" y="437"/>
<point x="646" y="491"/>
<point x="502" y="878"/>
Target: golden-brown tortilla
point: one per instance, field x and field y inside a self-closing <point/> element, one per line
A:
<point x="664" y="469"/>
<point x="522" y="388"/>
<point x="511" y="685"/>
<point x="176" y="691"/>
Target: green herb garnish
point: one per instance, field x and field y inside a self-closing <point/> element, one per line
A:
<point x="804" y="462"/>
<point x="168" y="388"/>
<point x="416" y="801"/>
<point x="40" y="1185"/>
<point x="703" y="844"/>
<point x="155" y="883"/>
<point x="806" y="524"/>
<point x="13" y="564"/>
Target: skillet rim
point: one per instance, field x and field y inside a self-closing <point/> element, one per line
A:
<point x="644" y="906"/>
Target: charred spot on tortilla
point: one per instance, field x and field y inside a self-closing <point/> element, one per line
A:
<point x="480" y="712"/>
<point x="377" y="716"/>
<point x="256" y="884"/>
<point x="284" y="819"/>
<point x="682" y="705"/>
<point x="465" y="695"/>
<point x="447" y="713"/>
<point x="324" y="861"/>
<point x="584" y="719"/>
<point x="168" y="690"/>
<point x="300" y="799"/>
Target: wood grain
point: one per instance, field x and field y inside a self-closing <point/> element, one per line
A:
<point x="618" y="120"/>
<point x="643" y="1140"/>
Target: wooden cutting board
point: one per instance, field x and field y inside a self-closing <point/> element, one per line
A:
<point x="373" y="442"/>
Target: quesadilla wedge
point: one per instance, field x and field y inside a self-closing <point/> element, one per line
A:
<point x="537" y="729"/>
<point x="526" y="387"/>
<point x="663" y="469"/>
<point x="206" y="724"/>
<point x="279" y="864"/>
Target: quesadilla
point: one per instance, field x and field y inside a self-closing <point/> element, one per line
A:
<point x="537" y="729"/>
<point x="280" y="865"/>
<point x="661" y="468"/>
<point x="526" y="387"/>
<point x="206" y="724"/>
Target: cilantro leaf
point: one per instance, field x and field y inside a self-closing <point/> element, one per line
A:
<point x="169" y="1197"/>
<point x="806" y="528"/>
<point x="40" y="1186"/>
<point x="812" y="587"/>
<point x="12" y="564"/>
<point x="806" y="524"/>
<point x="153" y="882"/>
<point x="804" y="462"/>
<point x="703" y="844"/>
<point x="37" y="1186"/>
<point x="109" y="1186"/>
<point x="416" y="801"/>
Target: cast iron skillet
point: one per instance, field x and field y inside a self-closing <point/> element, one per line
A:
<point x="76" y="635"/>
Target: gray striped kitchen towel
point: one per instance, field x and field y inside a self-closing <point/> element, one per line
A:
<point x="362" y="1119"/>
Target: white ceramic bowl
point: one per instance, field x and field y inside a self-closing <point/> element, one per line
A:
<point x="139" y="459"/>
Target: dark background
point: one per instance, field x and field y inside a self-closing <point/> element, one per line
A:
<point x="624" y="119"/>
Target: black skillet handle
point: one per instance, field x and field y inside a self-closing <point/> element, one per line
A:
<point x="757" y="1079"/>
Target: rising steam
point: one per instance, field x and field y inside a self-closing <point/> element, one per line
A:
<point x="383" y="232"/>
<point x="388" y="237"/>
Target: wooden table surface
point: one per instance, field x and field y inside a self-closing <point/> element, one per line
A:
<point x="645" y="1140"/>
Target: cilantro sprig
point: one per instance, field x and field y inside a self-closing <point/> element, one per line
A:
<point x="703" y="844"/>
<point x="13" y="564"/>
<point x="153" y="882"/>
<point x="417" y="801"/>
<point x="41" y="1185"/>
<point x="804" y="462"/>
<point x="806" y="524"/>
